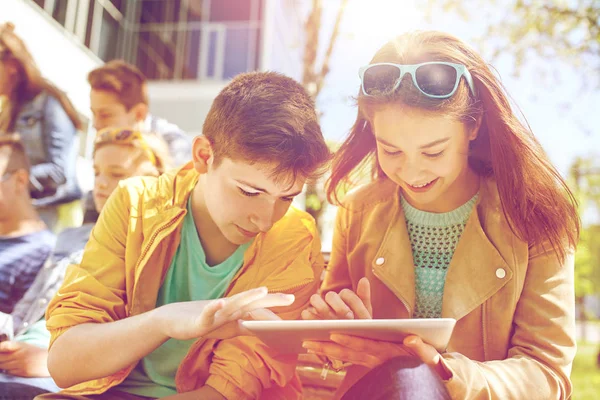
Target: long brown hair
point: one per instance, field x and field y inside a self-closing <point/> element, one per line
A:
<point x="536" y="201"/>
<point x="29" y="82"/>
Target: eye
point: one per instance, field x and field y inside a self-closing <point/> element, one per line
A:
<point x="435" y="155"/>
<point x="287" y="199"/>
<point x="391" y="153"/>
<point x="118" y="176"/>
<point x="249" y="194"/>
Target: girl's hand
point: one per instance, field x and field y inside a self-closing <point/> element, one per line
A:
<point x="372" y="353"/>
<point x="345" y="305"/>
<point x="195" y="319"/>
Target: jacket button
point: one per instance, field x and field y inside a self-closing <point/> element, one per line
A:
<point x="500" y="273"/>
<point x="380" y="261"/>
<point x="43" y="302"/>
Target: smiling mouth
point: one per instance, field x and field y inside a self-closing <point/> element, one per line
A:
<point x="422" y="186"/>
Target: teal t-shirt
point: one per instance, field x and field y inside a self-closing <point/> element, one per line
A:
<point x="189" y="278"/>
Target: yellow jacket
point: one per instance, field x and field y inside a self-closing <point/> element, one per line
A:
<point x="127" y="257"/>
<point x="514" y="303"/>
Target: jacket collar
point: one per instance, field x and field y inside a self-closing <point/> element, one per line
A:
<point x="477" y="269"/>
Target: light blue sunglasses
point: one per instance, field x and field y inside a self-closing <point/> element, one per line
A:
<point x="435" y="79"/>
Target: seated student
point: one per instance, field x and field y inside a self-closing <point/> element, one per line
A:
<point x="118" y="154"/>
<point x="119" y="98"/>
<point x="466" y="219"/>
<point x="129" y="319"/>
<point x="25" y="241"/>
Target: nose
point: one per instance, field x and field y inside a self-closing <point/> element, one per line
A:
<point x="409" y="171"/>
<point x="264" y="217"/>
<point x="100" y="182"/>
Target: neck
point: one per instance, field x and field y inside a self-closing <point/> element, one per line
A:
<point x="463" y="189"/>
<point x="22" y="223"/>
<point x="216" y="246"/>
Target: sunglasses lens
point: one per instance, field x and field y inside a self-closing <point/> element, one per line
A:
<point x="380" y="79"/>
<point x="436" y="79"/>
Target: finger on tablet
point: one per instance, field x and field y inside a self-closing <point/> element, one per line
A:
<point x="321" y="307"/>
<point x="270" y="300"/>
<point x="262" y="314"/>
<point x="356" y="304"/>
<point x="310" y="314"/>
<point x="341" y="309"/>
<point x="239" y="300"/>
<point x="363" y="290"/>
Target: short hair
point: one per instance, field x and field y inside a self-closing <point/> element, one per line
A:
<point x="266" y="117"/>
<point x="12" y="149"/>
<point x="126" y="81"/>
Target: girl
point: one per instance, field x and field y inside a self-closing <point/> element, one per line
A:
<point x="46" y="122"/>
<point x="465" y="218"/>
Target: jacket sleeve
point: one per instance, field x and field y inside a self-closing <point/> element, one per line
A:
<point x="59" y="135"/>
<point x="543" y="344"/>
<point x="337" y="275"/>
<point x="94" y="290"/>
<point x="243" y="367"/>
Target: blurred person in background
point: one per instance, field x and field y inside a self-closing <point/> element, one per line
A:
<point x="119" y="98"/>
<point x="118" y="154"/>
<point x="47" y="124"/>
<point x="25" y="241"/>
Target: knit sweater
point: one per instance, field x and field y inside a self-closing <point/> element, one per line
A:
<point x="433" y="238"/>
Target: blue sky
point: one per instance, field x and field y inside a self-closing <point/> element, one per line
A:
<point x="561" y="110"/>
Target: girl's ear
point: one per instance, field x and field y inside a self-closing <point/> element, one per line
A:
<point x="474" y="130"/>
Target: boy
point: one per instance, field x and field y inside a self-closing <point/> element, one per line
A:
<point x="119" y="99"/>
<point x="164" y="247"/>
<point x="25" y="241"/>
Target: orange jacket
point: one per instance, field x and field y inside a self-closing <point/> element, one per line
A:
<point x="514" y="303"/>
<point x="127" y="257"/>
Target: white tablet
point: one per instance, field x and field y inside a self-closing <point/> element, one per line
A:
<point x="287" y="336"/>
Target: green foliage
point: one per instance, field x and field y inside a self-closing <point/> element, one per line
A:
<point x="549" y="29"/>
<point x="586" y="374"/>
<point x="584" y="178"/>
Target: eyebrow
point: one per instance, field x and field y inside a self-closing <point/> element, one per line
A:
<point x="426" y="146"/>
<point x="264" y="190"/>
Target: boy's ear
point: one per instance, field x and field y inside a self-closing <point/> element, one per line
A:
<point x="139" y="111"/>
<point x="202" y="154"/>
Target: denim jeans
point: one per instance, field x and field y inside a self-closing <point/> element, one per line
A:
<point x="401" y="378"/>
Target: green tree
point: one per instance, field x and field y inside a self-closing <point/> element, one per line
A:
<point x="313" y="79"/>
<point x="569" y="30"/>
<point x="584" y="177"/>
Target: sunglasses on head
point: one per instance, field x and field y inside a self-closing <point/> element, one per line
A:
<point x="125" y="136"/>
<point x="436" y="79"/>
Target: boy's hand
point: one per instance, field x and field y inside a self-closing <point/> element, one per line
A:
<point x="345" y="305"/>
<point x="23" y="359"/>
<point x="195" y="319"/>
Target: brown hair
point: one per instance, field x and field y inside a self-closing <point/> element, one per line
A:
<point x="126" y="81"/>
<point x="541" y="208"/>
<point x="29" y="82"/>
<point x="12" y="148"/>
<point x="265" y="117"/>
